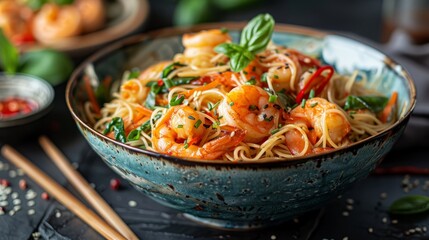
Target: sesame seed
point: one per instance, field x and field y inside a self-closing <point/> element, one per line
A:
<point x="349" y="207"/>
<point x="384" y="220"/>
<point x="11" y="212"/>
<point x="383" y="195"/>
<point x="418" y="229"/>
<point x="58" y="214"/>
<point x="296" y="220"/>
<point x="3" y="203"/>
<point x="424" y="229"/>
<point x="132" y="203"/>
<point x="394" y="221"/>
<point x="16" y="201"/>
<point x="12" y="173"/>
<point x="20" y="172"/>
<point x="370" y="230"/>
<point x="346" y="214"/>
<point x="350" y="201"/>
<point x="345" y="238"/>
<point x="17" y="208"/>
<point x="31" y="212"/>
<point x="14" y="195"/>
<point x="30" y="203"/>
<point x="273" y="237"/>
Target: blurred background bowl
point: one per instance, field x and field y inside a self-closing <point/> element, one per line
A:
<point x="30" y="88"/>
<point x="244" y="194"/>
<point x="124" y="17"/>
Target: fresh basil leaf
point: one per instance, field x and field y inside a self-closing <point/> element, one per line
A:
<point x="373" y="103"/>
<point x="239" y="61"/>
<point x="134" y="73"/>
<point x="257" y="33"/>
<point x="177" y="100"/>
<point x="150" y="100"/>
<point x="63" y="2"/>
<point x="35" y="4"/>
<point x="167" y="70"/>
<point x="134" y="135"/>
<point x="228" y="48"/>
<point x="410" y="205"/>
<point x="9" y="55"/>
<point x="117" y="126"/>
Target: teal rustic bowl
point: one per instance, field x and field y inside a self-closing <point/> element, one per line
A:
<point x="244" y="195"/>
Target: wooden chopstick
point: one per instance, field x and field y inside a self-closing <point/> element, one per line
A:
<point x="85" y="189"/>
<point x="60" y="194"/>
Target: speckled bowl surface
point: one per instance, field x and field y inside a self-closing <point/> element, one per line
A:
<point x="244" y="195"/>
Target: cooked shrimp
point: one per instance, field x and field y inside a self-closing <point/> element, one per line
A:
<point x="180" y="131"/>
<point x="283" y="68"/>
<point x="199" y="47"/>
<point x="329" y="124"/>
<point x="248" y="107"/>
<point x="55" y="22"/>
<point x="92" y="14"/>
<point x="14" y="19"/>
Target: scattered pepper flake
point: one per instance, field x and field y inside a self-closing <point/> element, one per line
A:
<point x="115" y="184"/>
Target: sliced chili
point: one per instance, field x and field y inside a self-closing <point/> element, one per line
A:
<point x="319" y="87"/>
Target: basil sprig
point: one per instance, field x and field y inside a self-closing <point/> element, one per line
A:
<point x="117" y="125"/>
<point x="254" y="38"/>
<point x="373" y="103"/>
<point x="412" y="204"/>
<point x="9" y="55"/>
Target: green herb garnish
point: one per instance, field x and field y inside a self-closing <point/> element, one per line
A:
<point x="410" y="205"/>
<point x="373" y="103"/>
<point x="254" y="38"/>
<point x="117" y="126"/>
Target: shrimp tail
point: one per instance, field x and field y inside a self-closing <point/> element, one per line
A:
<point x="231" y="137"/>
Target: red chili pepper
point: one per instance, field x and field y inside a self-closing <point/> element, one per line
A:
<point x="318" y="86"/>
<point x="23" y="39"/>
<point x="160" y="82"/>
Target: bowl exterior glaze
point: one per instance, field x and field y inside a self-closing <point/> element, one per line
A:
<point x="245" y="195"/>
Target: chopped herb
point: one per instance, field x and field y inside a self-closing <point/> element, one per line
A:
<point x="275" y="131"/>
<point x="231" y="104"/>
<point x="312" y="94"/>
<point x="186" y="145"/>
<point x="117" y="125"/>
<point x="251" y="82"/>
<point x="220" y="117"/>
<point x="180" y="126"/>
<point x="198" y="123"/>
<point x="177" y="100"/>
<point x="264" y="77"/>
<point x="245" y="72"/>
<point x="313" y="104"/>
<point x="211" y="106"/>
<point x="253" y="108"/>
<point x="303" y="103"/>
<point x="272" y="98"/>
<point x="191" y="117"/>
<point x="276" y="76"/>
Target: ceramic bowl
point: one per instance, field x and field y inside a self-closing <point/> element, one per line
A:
<point x="245" y="195"/>
<point x="30" y="88"/>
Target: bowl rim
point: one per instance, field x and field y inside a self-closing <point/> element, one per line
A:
<point x="280" y="27"/>
<point x="33" y="115"/>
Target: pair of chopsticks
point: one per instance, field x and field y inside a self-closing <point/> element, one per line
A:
<point x="117" y="228"/>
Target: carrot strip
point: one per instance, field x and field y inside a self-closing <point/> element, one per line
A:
<point x="202" y="88"/>
<point x="91" y="95"/>
<point x="389" y="107"/>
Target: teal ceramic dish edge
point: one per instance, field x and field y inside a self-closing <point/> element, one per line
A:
<point x="243" y="195"/>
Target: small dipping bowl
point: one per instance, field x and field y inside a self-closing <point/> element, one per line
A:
<point x="24" y="102"/>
